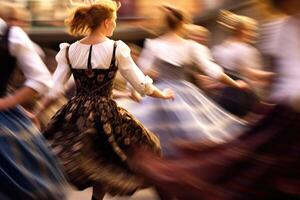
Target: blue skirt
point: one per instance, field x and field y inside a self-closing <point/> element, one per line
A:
<point x="27" y="169"/>
<point x="191" y="116"/>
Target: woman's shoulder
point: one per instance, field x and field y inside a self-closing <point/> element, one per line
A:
<point x="122" y="49"/>
<point x="61" y="55"/>
<point x="63" y="45"/>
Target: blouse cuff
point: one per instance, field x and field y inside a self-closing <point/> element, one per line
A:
<point x="55" y="93"/>
<point x="37" y="86"/>
<point x="148" y="86"/>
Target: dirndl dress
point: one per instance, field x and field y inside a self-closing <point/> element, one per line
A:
<point x="93" y="137"/>
<point x="191" y="116"/>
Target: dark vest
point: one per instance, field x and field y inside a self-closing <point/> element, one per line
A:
<point x="7" y="62"/>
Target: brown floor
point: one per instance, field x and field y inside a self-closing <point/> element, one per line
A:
<point x="148" y="194"/>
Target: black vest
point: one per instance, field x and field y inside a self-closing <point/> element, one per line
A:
<point x="7" y="62"/>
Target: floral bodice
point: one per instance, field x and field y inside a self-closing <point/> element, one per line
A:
<point x="94" y="81"/>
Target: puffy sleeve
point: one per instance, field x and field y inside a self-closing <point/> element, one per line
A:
<point x="61" y="74"/>
<point x="131" y="72"/>
<point x="202" y="58"/>
<point x="37" y="75"/>
<point x="147" y="56"/>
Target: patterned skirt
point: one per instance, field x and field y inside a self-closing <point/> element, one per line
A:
<point x="93" y="139"/>
<point x="261" y="164"/>
<point x="27" y="169"/>
<point x="191" y="116"/>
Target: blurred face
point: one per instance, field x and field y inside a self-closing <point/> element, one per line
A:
<point x="110" y="25"/>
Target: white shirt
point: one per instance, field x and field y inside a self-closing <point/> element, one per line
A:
<point x="234" y="55"/>
<point x="179" y="53"/>
<point x="21" y="47"/>
<point x="281" y="40"/>
<point x="100" y="59"/>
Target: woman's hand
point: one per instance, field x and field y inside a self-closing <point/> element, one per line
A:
<point x="165" y="94"/>
<point x="243" y="85"/>
<point x="168" y="94"/>
<point x="135" y="96"/>
<point x="22" y="95"/>
<point x="207" y="83"/>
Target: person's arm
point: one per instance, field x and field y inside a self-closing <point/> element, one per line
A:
<point x="205" y="62"/>
<point x="20" y="96"/>
<point x="165" y="94"/>
<point x="130" y="71"/>
<point x="223" y="78"/>
<point x="120" y="94"/>
<point x="60" y="78"/>
<point x="252" y="67"/>
<point x="38" y="78"/>
<point x="62" y="73"/>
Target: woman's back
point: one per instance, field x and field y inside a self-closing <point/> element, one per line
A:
<point x="177" y="53"/>
<point x="172" y="50"/>
<point x="101" y="54"/>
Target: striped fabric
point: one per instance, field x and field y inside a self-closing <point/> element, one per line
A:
<point x="27" y="170"/>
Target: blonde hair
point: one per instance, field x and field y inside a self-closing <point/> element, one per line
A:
<point x="87" y="18"/>
<point x="235" y="23"/>
<point x="196" y="31"/>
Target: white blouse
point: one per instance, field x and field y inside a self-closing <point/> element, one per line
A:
<point x="235" y="55"/>
<point x="281" y="41"/>
<point x="100" y="59"/>
<point x="179" y="53"/>
<point x="21" y="47"/>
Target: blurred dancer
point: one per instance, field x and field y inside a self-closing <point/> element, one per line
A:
<point x="209" y="85"/>
<point x="240" y="60"/>
<point x="192" y="115"/>
<point x="28" y="170"/>
<point x="15" y="14"/>
<point x="91" y="135"/>
<point x="263" y="163"/>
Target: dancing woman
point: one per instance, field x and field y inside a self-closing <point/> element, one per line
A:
<point x="192" y="115"/>
<point x="93" y="137"/>
<point x="241" y="61"/>
<point x="27" y="168"/>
